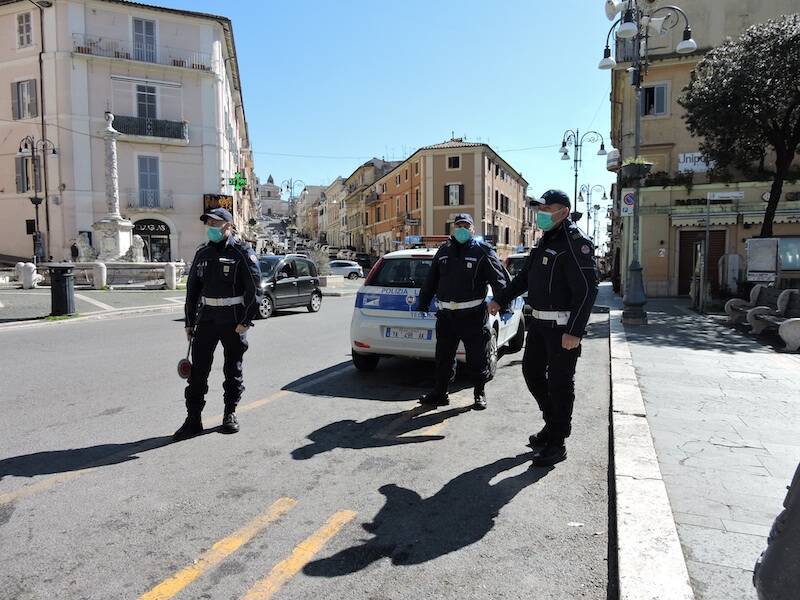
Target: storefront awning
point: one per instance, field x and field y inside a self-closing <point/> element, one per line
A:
<point x="699" y="220"/>
<point x="781" y="216"/>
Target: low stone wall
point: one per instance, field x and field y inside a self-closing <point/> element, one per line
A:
<point x="119" y="273"/>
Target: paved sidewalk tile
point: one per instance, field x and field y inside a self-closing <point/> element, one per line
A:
<point x="724" y="412"/>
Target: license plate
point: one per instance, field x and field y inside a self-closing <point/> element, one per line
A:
<point x="407" y="333"/>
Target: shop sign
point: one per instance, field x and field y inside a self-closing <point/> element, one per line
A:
<point x="211" y="201"/>
<point x="693" y="162"/>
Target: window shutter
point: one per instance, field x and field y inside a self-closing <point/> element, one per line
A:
<point x="19" y="173"/>
<point x="33" y="106"/>
<point x="461" y="194"/>
<point x="15" y="100"/>
<point x="446" y="195"/>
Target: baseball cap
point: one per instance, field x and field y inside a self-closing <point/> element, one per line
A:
<point x="555" y="197"/>
<point x="463" y="218"/>
<point x="220" y="214"/>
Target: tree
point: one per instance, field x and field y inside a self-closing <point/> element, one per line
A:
<point x="744" y="101"/>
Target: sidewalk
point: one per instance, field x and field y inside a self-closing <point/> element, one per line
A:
<point x="723" y="410"/>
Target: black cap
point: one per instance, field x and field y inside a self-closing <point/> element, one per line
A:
<point x="463" y="218"/>
<point x="555" y="197"/>
<point x="220" y="214"/>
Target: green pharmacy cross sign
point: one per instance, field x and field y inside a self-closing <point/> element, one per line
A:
<point x="238" y="181"/>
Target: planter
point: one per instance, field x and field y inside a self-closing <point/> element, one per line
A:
<point x="636" y="170"/>
<point x="331" y="281"/>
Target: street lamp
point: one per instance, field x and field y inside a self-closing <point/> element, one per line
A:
<point x="575" y="139"/>
<point x="637" y="24"/>
<point x="587" y="190"/>
<point x="29" y="147"/>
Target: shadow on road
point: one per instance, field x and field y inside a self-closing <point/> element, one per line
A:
<point x="377" y="432"/>
<point x="75" y="459"/>
<point x="411" y="530"/>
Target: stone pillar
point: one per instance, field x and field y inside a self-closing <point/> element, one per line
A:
<point x="113" y="234"/>
<point x="18" y="270"/>
<point x="99" y="276"/>
<point x="171" y="275"/>
<point x="29" y="276"/>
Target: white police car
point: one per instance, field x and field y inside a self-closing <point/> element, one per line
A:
<point x="514" y="264"/>
<point x="384" y="323"/>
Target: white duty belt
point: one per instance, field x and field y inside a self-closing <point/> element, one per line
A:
<point x="222" y="301"/>
<point x="561" y="317"/>
<point x="460" y="305"/>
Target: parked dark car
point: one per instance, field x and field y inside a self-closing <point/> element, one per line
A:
<point x="288" y="282"/>
<point x="365" y="260"/>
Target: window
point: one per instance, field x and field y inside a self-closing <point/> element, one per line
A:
<point x="654" y="100"/>
<point x="366" y="218"/>
<point x="22" y="171"/>
<point x="24" y="30"/>
<point x="447" y="228"/>
<point x="453" y="162"/>
<point x="506" y="236"/>
<point x="453" y="194"/>
<point x="416" y="198"/>
<point x="496" y="200"/>
<point x="146" y="102"/>
<point x="405" y="176"/>
<point x="397" y="180"/>
<point x="406" y="199"/>
<point x="149" y="194"/>
<point x="416" y="168"/>
<point x="377" y="214"/>
<point x="144" y="40"/>
<point x="24" y="103"/>
<point x="396" y="205"/>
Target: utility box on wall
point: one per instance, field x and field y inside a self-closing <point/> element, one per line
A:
<point x="763" y="265"/>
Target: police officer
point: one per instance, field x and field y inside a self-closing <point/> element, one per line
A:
<point x="222" y="295"/>
<point x="461" y="269"/>
<point x="561" y="280"/>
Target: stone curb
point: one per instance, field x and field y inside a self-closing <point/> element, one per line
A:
<point x="651" y="564"/>
<point x="97" y="316"/>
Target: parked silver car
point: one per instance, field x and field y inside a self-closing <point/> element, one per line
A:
<point x="346" y="268"/>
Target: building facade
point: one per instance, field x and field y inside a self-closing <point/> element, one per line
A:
<point x="269" y="199"/>
<point x="334" y="194"/>
<point x="171" y="80"/>
<point x="674" y="200"/>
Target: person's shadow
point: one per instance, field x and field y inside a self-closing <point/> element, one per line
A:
<point x="377" y="432"/>
<point x="411" y="530"/>
<point x="74" y="459"/>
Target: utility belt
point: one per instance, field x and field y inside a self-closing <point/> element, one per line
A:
<point x="222" y="301"/>
<point x="460" y="305"/>
<point x="559" y="317"/>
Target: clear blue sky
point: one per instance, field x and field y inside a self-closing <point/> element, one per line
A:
<point x="341" y="81"/>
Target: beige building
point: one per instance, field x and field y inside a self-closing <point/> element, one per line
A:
<point x="307" y="210"/>
<point x="421" y="195"/>
<point x="171" y="79"/>
<point x="359" y="189"/>
<point x="334" y="194"/>
<point x="673" y="201"/>
<point x="269" y="199"/>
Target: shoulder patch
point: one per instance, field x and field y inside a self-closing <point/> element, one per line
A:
<point x="254" y="258"/>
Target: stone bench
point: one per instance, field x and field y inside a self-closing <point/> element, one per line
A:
<point x="785" y="317"/>
<point x="760" y="295"/>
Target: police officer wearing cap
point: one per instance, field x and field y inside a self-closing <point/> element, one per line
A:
<point x="461" y="269"/>
<point x="561" y="280"/>
<point x="222" y="295"/>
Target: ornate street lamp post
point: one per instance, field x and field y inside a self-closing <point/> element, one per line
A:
<point x="588" y="189"/>
<point x="575" y="139"/>
<point x="637" y="24"/>
<point x="30" y="147"/>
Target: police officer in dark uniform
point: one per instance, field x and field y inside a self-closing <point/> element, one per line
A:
<point x="222" y="295"/>
<point x="561" y="280"/>
<point x="461" y="269"/>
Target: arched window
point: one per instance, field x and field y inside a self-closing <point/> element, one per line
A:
<point x="155" y="235"/>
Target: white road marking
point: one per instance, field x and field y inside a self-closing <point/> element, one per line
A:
<point x="94" y="302"/>
<point x="176" y="300"/>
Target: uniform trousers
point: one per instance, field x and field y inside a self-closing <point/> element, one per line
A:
<point x="471" y="326"/>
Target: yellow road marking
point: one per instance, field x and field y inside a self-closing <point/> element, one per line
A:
<point x="218" y="552"/>
<point x="54" y="480"/>
<point x="300" y="556"/>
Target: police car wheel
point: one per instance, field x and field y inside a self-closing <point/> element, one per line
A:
<point x="352" y="275"/>
<point x="315" y="303"/>
<point x="365" y="362"/>
<point x="516" y="343"/>
<point x="493" y="353"/>
<point x="266" y="308"/>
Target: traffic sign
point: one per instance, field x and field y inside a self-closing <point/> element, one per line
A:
<point x="628" y="201"/>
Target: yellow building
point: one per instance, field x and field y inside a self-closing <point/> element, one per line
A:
<point x="673" y="201"/>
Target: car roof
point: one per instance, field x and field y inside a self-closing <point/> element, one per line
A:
<point x="518" y="255"/>
<point x="413" y="253"/>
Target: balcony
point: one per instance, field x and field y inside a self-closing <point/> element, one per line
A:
<point x="149" y="199"/>
<point x="152" y="128"/>
<point x="123" y="49"/>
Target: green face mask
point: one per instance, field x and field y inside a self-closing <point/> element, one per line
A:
<point x="462" y="235"/>
<point x="215" y="234"/>
<point x="545" y="220"/>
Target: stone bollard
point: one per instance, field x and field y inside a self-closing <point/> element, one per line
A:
<point x="99" y="276"/>
<point x="171" y="276"/>
<point x="18" y="270"/>
<point x="29" y="276"/>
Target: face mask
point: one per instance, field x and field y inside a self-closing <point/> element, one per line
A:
<point x="462" y="235"/>
<point x="545" y="220"/>
<point x="215" y="234"/>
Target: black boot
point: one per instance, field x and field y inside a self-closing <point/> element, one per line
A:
<point x="191" y="427"/>
<point x="480" y="399"/>
<point x="553" y="452"/>
<point x="230" y="424"/>
<point x="434" y="399"/>
<point x="538" y="440"/>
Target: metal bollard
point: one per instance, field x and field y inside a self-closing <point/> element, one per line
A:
<point x="777" y="571"/>
<point x="62" y="289"/>
<point x="171" y="276"/>
<point x="29" y="276"/>
<point x="99" y="276"/>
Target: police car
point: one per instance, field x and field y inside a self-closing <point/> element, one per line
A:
<point x="514" y="264"/>
<point x="385" y="323"/>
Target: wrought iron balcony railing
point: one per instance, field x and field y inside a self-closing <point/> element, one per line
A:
<point x="149" y="199"/>
<point x="177" y="130"/>
<point x="162" y="55"/>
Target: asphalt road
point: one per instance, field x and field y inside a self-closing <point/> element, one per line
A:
<point x="338" y="486"/>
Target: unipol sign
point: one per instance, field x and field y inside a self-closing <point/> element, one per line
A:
<point x="693" y="161"/>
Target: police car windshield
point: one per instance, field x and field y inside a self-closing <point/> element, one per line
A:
<point x="402" y="272"/>
<point x="514" y="265"/>
<point x="268" y="265"/>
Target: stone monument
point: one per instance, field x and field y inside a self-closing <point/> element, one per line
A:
<point x="113" y="234"/>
